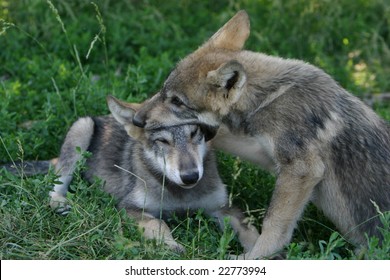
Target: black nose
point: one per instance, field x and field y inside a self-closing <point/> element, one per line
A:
<point x="190" y="178"/>
<point x="138" y="121"/>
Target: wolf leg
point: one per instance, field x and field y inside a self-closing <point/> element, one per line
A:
<point x="58" y="200"/>
<point x="247" y="233"/>
<point x="294" y="187"/>
<point x="157" y="229"/>
<point x="79" y="135"/>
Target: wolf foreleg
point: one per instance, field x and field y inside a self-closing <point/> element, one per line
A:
<point x="293" y="190"/>
<point x="157" y="229"/>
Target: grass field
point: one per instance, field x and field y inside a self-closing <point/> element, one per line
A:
<point x="59" y="60"/>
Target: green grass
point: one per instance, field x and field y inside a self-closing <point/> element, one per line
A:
<point x="58" y="61"/>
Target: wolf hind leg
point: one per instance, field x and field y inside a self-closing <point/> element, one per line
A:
<point x="79" y="135"/>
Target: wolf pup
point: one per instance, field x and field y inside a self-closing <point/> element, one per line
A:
<point x="291" y="118"/>
<point x="149" y="172"/>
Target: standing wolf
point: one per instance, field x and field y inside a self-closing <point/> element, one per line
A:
<point x="291" y="118"/>
<point x="149" y="172"/>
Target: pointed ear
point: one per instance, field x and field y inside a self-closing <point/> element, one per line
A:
<point x="230" y="77"/>
<point x="123" y="112"/>
<point x="232" y="35"/>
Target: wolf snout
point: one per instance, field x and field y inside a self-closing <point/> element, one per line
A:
<point x="190" y="178"/>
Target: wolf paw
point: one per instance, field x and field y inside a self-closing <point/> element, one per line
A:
<point x="277" y="256"/>
<point x="59" y="203"/>
<point x="176" y="247"/>
<point x="237" y="257"/>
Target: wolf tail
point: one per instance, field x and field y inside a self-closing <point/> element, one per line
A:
<point x="29" y="168"/>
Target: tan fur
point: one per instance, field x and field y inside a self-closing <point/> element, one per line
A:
<point x="291" y="118"/>
<point x="231" y="36"/>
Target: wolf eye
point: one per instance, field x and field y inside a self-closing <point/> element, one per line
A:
<point x="162" y="141"/>
<point x="176" y="101"/>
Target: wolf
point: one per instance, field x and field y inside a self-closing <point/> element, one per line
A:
<point x="323" y="144"/>
<point x="151" y="173"/>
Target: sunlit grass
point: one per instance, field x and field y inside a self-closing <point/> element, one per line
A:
<point x="59" y="60"/>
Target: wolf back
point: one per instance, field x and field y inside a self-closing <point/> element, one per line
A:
<point x="291" y="118"/>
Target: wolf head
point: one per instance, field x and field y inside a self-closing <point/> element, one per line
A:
<point x="205" y="85"/>
<point x="176" y="151"/>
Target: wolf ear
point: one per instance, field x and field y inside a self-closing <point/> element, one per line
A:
<point x="230" y="77"/>
<point x="123" y="112"/>
<point x="233" y="35"/>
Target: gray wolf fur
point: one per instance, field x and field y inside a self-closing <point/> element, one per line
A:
<point x="132" y="163"/>
<point x="291" y="118"/>
<point x="29" y="168"/>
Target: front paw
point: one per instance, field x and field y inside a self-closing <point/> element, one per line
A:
<point x="59" y="203"/>
<point x="176" y="247"/>
<point x="237" y="257"/>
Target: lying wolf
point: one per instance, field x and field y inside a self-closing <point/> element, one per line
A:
<point x="291" y="118"/>
<point x="149" y="172"/>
